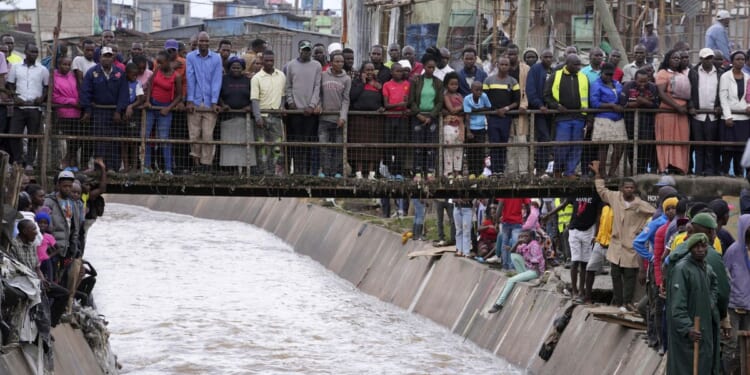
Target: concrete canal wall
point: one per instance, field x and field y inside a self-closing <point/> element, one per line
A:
<point x="453" y="292"/>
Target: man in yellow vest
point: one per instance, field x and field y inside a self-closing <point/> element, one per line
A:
<point x="566" y="90"/>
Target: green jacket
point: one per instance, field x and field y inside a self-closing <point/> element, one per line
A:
<point x="714" y="260"/>
<point x="415" y="96"/>
<point x="692" y="293"/>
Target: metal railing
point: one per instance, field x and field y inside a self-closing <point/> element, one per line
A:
<point x="53" y="136"/>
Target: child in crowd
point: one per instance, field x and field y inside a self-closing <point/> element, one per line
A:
<point x="132" y="117"/>
<point x="532" y="217"/>
<point x="46" y="249"/>
<point x="453" y="128"/>
<point x="65" y="92"/>
<point x="477" y="132"/>
<point x="396" y="97"/>
<point x="528" y="261"/>
<point x="487" y="234"/>
<point x="144" y="73"/>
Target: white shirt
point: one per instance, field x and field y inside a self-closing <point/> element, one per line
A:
<point x="440" y="73"/>
<point x="80" y="63"/>
<point x="708" y="85"/>
<point x="628" y="72"/>
<point x="30" y="81"/>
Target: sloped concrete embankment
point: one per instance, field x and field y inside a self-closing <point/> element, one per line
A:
<point x="73" y="356"/>
<point x="453" y="292"/>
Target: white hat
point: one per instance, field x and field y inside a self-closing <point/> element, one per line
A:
<point x="706" y="52"/>
<point x="405" y="64"/>
<point x="106" y="51"/>
<point x="66" y="175"/>
<point x="723" y="15"/>
<point x="333" y="47"/>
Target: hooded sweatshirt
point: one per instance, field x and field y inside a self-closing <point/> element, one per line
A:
<point x="334" y="94"/>
<point x="737" y="262"/>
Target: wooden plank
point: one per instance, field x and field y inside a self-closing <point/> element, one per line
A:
<point x="433" y="252"/>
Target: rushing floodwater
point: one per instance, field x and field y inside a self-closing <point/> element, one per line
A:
<point x="191" y="296"/>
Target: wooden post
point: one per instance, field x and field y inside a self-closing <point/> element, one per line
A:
<point x="696" y="345"/>
<point x="662" y="27"/>
<point x="48" y="113"/>
<point x="608" y="23"/>
<point x="743" y="338"/>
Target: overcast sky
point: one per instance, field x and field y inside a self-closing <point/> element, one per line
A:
<point x="198" y="8"/>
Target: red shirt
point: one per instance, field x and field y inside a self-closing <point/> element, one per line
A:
<point x="489" y="234"/>
<point x="416" y="70"/>
<point x="512" y="210"/>
<point x="617" y="76"/>
<point x="396" y="92"/>
<point x="659" y="239"/>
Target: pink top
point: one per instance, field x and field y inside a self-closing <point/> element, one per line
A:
<point x="41" y="251"/>
<point x="533" y="256"/>
<point x="532" y="220"/>
<point x="66" y="92"/>
<point x="143" y="78"/>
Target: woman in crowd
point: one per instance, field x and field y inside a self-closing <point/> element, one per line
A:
<point x="366" y="95"/>
<point x="65" y="92"/>
<point x="453" y="127"/>
<point x="674" y="92"/>
<point x="165" y="91"/>
<point x="608" y="126"/>
<point x="425" y="103"/>
<point x="733" y="86"/>
<point x="235" y="97"/>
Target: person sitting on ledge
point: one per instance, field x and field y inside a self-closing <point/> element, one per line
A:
<point x="528" y="259"/>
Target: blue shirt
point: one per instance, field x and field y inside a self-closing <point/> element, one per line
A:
<point x="204" y="76"/>
<point x="103" y="90"/>
<point x="718" y="38"/>
<point x="647" y="237"/>
<point x="600" y="94"/>
<point x="591" y="74"/>
<point x="477" y="121"/>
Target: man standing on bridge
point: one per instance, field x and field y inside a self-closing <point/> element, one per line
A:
<point x="717" y="36"/>
<point x="204" y="72"/>
<point x="266" y="92"/>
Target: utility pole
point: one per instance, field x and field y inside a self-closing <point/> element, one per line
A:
<point x="608" y="23"/>
<point x="523" y="15"/>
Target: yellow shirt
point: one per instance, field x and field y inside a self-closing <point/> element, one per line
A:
<point x="605" y="226"/>
<point x="268" y="89"/>
<point x="680" y="238"/>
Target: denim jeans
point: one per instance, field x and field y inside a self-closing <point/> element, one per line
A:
<point x="163" y="125"/>
<point x="507" y="237"/>
<point x="522" y="275"/>
<point x="462" y="218"/>
<point x="419" y="211"/>
<point x="568" y="157"/>
<point x="331" y="159"/>
<point x="498" y="131"/>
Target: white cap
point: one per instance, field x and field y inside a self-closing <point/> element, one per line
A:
<point x="333" y="47"/>
<point x="106" y="51"/>
<point x="706" y="52"/>
<point x="66" y="175"/>
<point x="405" y="64"/>
<point x="723" y="15"/>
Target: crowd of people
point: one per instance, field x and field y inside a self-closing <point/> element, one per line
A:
<point x="43" y="267"/>
<point x="681" y="252"/>
<point x="186" y="90"/>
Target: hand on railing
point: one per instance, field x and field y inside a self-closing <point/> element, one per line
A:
<point x="86" y="118"/>
<point x="116" y="117"/>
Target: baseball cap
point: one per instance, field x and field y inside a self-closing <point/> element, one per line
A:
<point x="667" y="180"/>
<point x="723" y="15"/>
<point x="171" y="44"/>
<point x="706" y="52"/>
<point x="107" y="51"/>
<point x="68" y="175"/>
<point x="650" y="23"/>
<point x="333" y="47"/>
<point x="304" y="44"/>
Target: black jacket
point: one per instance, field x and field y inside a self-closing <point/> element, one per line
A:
<point x="694" y="89"/>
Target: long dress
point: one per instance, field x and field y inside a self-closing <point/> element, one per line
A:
<point x="671" y="127"/>
<point x="453" y="134"/>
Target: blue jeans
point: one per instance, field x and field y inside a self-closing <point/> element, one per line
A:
<point x="498" y="131"/>
<point x="419" y="211"/>
<point x="522" y="275"/>
<point x="462" y="217"/>
<point x="568" y="157"/>
<point x="164" y="123"/>
<point x="507" y="237"/>
<point x="104" y="126"/>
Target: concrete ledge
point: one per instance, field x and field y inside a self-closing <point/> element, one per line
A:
<point x="453" y="292"/>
